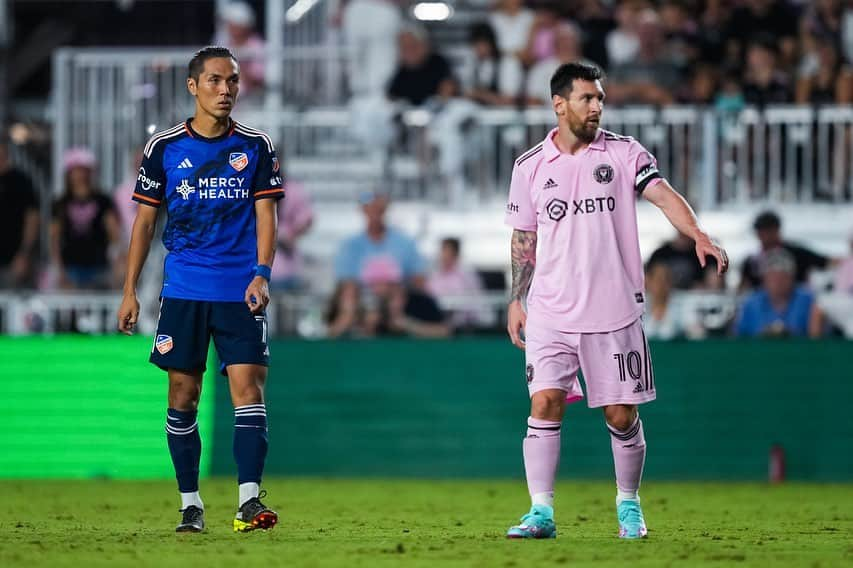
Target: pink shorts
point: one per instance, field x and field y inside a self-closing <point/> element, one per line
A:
<point x="616" y="365"/>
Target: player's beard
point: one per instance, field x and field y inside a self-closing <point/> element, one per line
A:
<point x="584" y="130"/>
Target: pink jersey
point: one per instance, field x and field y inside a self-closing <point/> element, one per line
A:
<point x="589" y="273"/>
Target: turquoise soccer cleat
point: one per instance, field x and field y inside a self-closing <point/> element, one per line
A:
<point x="538" y="523"/>
<point x="631" y="522"/>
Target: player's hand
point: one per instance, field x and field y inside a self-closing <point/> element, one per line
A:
<point x="516" y="320"/>
<point x="706" y="247"/>
<point x="128" y="314"/>
<point x="257" y="295"/>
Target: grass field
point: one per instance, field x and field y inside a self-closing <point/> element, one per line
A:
<point x="424" y="523"/>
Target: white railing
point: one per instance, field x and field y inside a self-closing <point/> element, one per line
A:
<point x="110" y="99"/>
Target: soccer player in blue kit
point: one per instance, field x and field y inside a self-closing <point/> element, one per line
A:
<point x="220" y="183"/>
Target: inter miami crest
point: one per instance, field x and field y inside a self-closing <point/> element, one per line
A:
<point x="238" y="160"/>
<point x="603" y="173"/>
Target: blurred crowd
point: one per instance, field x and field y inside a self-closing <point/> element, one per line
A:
<point x="727" y="54"/>
<point x="385" y="286"/>
<point x="719" y="52"/>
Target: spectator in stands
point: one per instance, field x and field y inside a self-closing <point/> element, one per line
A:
<point x="779" y="308"/>
<point x="19" y="224"/>
<point x="844" y="273"/>
<point x="567" y="48"/>
<point x="763" y="82"/>
<point x="823" y="78"/>
<point x="421" y="74"/>
<point x="623" y="43"/>
<point x="701" y="85"/>
<point x="451" y="278"/>
<point x="652" y="77"/>
<point x="681" y="32"/>
<point x="679" y="256"/>
<point x="236" y="31"/>
<point x="774" y="19"/>
<point x="821" y="20"/>
<point x="595" y="19"/>
<point x="391" y="308"/>
<point x="512" y="23"/>
<point x="295" y="217"/>
<point x="540" y="42"/>
<point x="768" y="229"/>
<point x="344" y="315"/>
<point x="661" y="320"/>
<point x="370" y="28"/>
<point x="493" y="78"/>
<point x="84" y="234"/>
<point x="359" y="255"/>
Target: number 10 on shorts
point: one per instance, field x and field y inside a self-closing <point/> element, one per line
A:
<point x="631" y="362"/>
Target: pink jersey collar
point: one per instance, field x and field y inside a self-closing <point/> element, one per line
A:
<point x="551" y="151"/>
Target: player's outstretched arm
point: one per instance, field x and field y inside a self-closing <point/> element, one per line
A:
<point x="523" y="249"/>
<point x="257" y="294"/>
<point x="140" y="243"/>
<point x="682" y="217"/>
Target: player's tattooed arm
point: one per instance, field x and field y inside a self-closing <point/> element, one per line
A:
<point x="523" y="262"/>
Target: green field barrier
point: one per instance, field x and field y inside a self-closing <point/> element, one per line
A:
<point x="74" y="406"/>
<point x="458" y="409"/>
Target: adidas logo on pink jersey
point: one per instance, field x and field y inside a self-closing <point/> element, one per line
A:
<point x="550" y="184"/>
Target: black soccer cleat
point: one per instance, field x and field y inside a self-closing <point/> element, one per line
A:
<point x="254" y="515"/>
<point x="192" y="520"/>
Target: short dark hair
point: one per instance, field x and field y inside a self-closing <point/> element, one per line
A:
<point x="196" y="65"/>
<point x="767" y="220"/>
<point x="564" y="76"/>
<point x="453" y="243"/>
<point x="482" y="31"/>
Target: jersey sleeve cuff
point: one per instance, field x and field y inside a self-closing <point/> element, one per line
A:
<point x="274" y="193"/>
<point x="520" y="226"/>
<point x="145" y="200"/>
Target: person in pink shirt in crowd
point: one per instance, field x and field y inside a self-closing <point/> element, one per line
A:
<point x="451" y="278"/>
<point x="295" y="216"/>
<point x="574" y="194"/>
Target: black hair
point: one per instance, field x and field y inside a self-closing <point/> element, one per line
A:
<point x="482" y="31"/>
<point x="453" y="243"/>
<point x="564" y="76"/>
<point x="196" y="65"/>
<point x="767" y="220"/>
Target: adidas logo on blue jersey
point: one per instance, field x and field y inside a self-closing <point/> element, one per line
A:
<point x="185" y="163"/>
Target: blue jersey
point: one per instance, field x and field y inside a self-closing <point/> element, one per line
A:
<point x="209" y="187"/>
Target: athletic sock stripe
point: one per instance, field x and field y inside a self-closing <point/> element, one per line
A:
<point x="193" y="426"/>
<point x="544" y="427"/>
<point x="258" y="405"/>
<point x="249" y="426"/>
<point x="627" y="435"/>
<point x="251" y="414"/>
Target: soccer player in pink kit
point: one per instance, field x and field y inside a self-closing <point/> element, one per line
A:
<point x="574" y="195"/>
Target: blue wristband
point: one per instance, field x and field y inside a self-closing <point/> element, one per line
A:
<point x="263" y="271"/>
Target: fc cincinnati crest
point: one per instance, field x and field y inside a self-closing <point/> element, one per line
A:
<point x="603" y="173"/>
<point x="164" y="344"/>
<point x="529" y="373"/>
<point x="238" y="160"/>
<point x="275" y="164"/>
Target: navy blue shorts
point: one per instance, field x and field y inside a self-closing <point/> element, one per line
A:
<point x="185" y="327"/>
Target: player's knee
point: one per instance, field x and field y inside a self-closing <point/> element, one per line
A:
<point x="247" y="392"/>
<point x="184" y="396"/>
<point x="548" y="405"/>
<point x="620" y="417"/>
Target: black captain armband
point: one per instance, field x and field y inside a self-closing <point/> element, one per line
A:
<point x="645" y="175"/>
